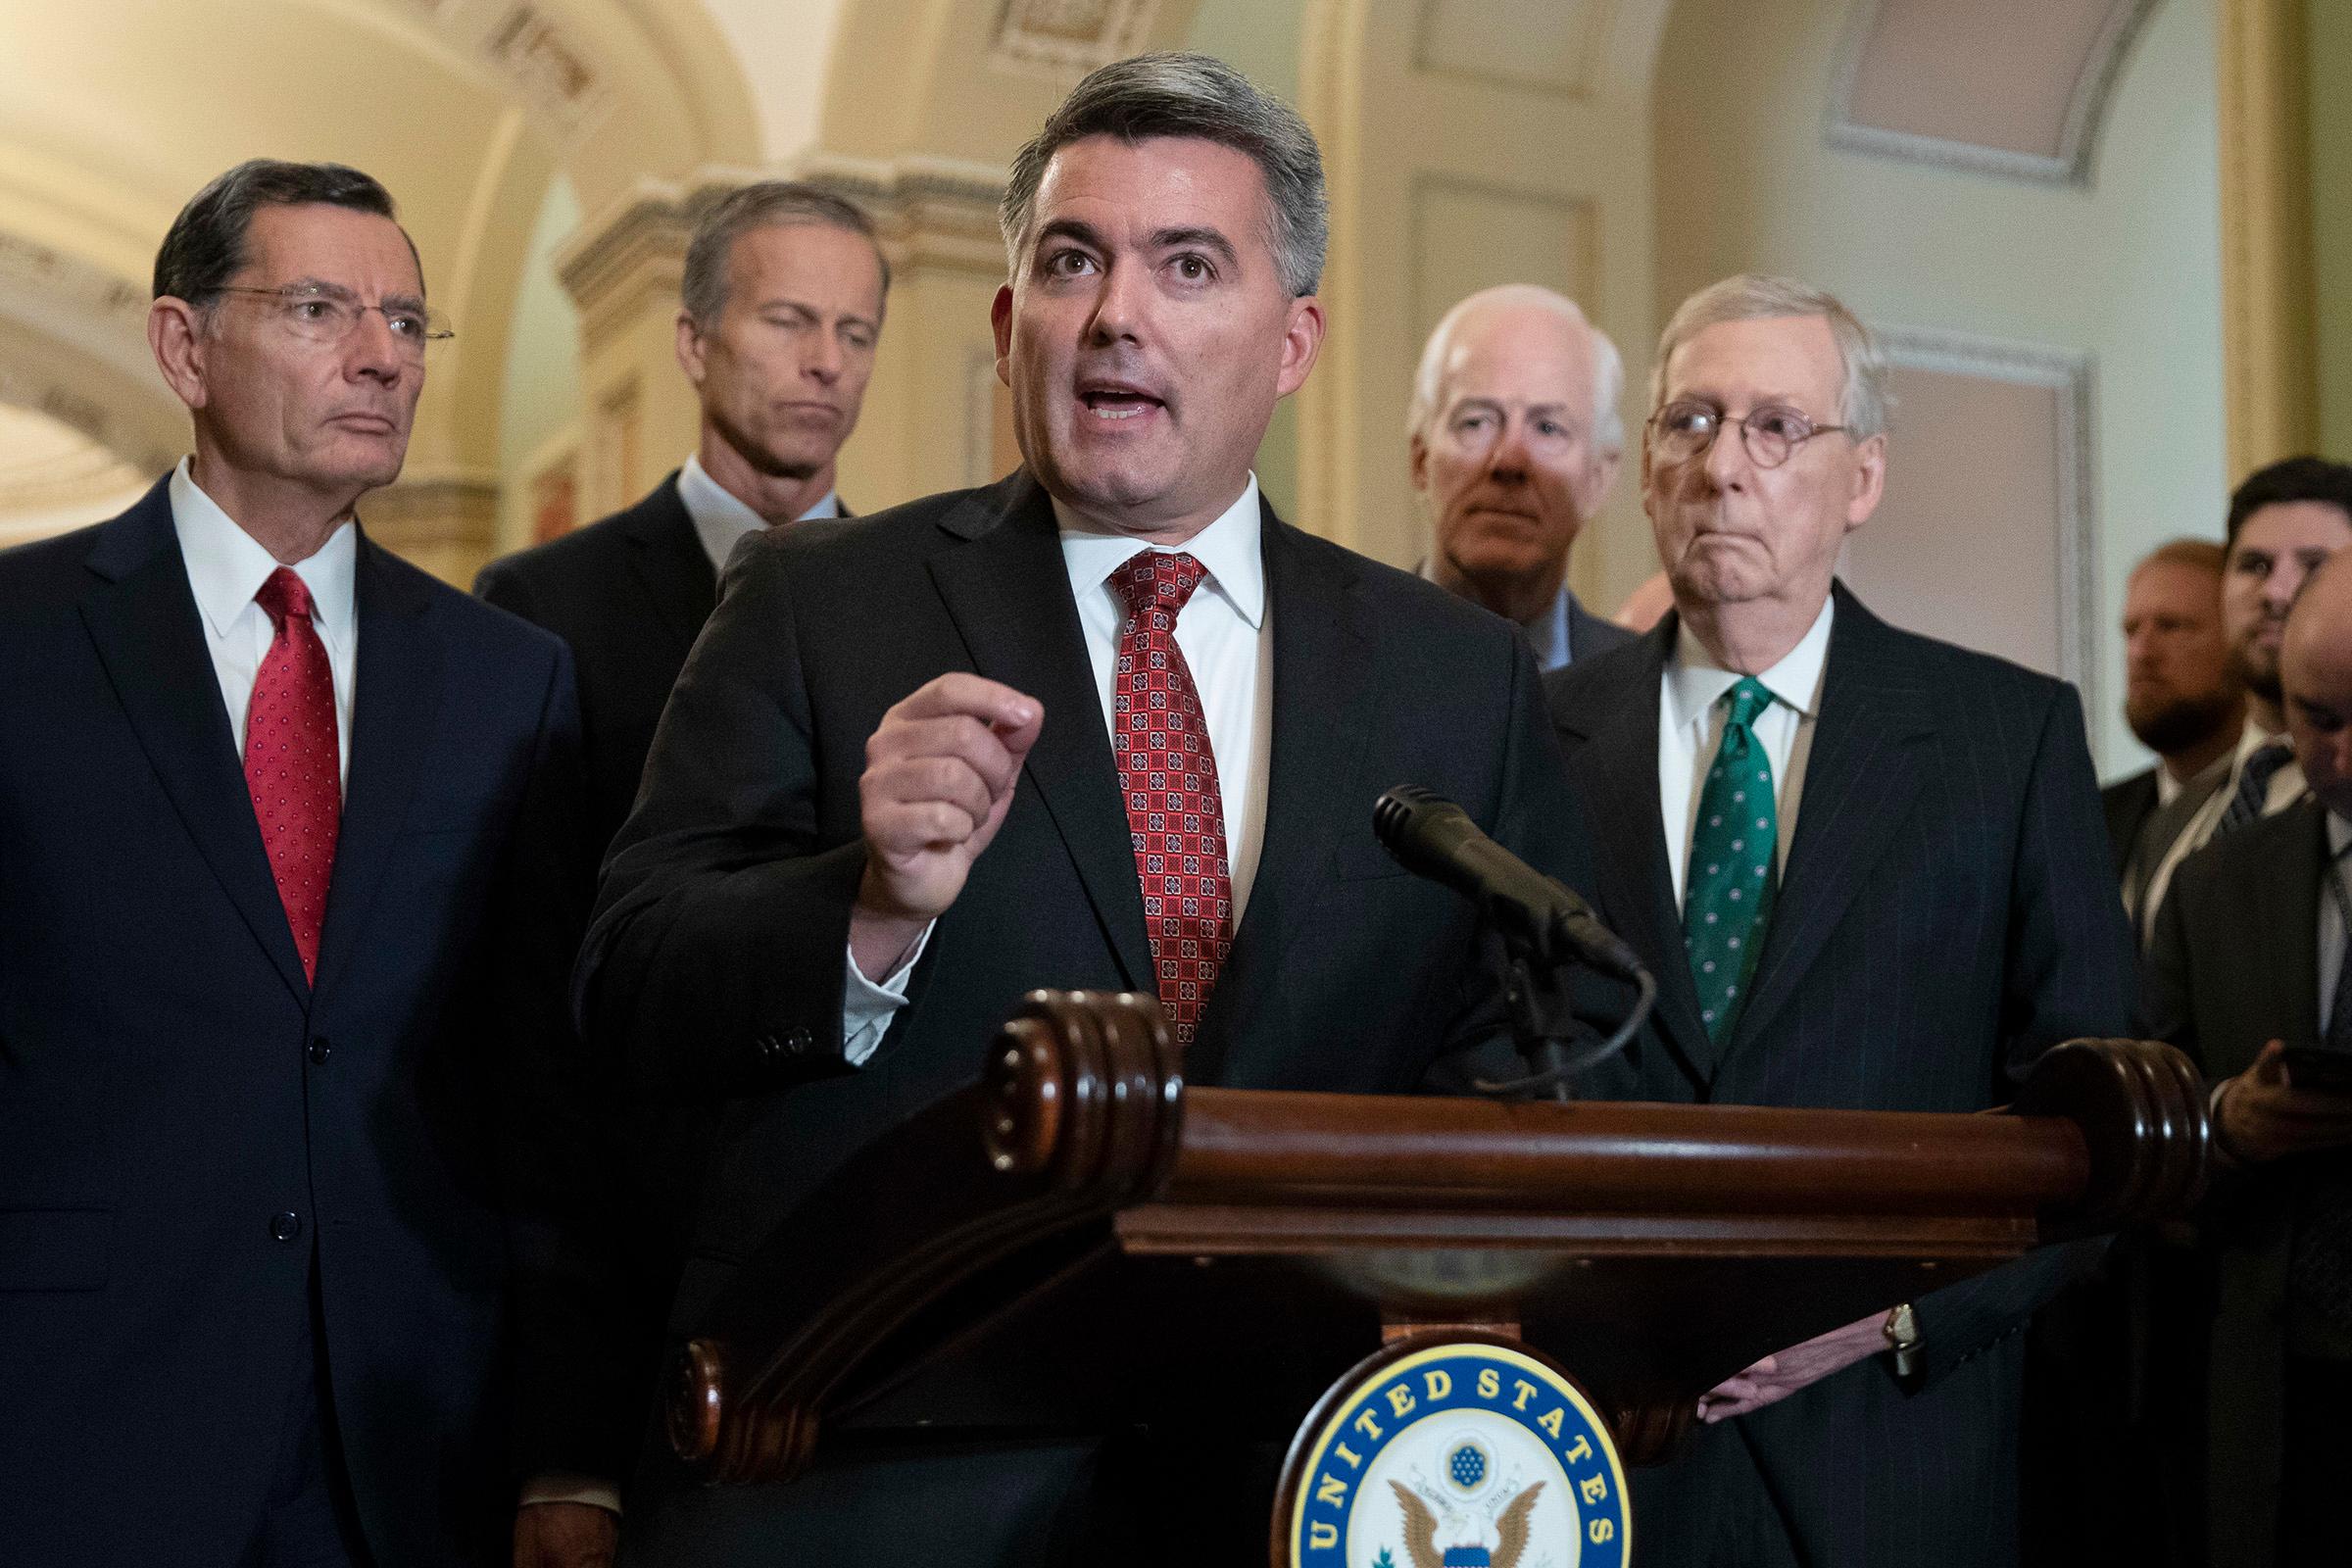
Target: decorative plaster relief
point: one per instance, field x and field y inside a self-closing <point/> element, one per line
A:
<point x="553" y="72"/>
<point x="2016" y="89"/>
<point x="1549" y="46"/>
<point x="1990" y="522"/>
<point x="1070" y="37"/>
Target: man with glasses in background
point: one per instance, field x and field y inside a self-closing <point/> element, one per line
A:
<point x="1855" y="859"/>
<point x="282" y="949"/>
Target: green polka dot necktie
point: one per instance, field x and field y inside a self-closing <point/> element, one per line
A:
<point x="1730" y="889"/>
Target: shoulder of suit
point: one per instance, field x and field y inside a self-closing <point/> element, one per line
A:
<point x="1597" y="675"/>
<point x="2256" y="850"/>
<point x="505" y="637"/>
<point x="584" y="553"/>
<point x="48" y="566"/>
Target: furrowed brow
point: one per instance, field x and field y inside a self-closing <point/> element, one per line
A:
<point x="1207" y="239"/>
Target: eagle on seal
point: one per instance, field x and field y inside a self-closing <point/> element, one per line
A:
<point x="1421" y="1533"/>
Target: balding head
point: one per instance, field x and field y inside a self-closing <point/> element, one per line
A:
<point x="1514" y="437"/>
<point x="2315" y="676"/>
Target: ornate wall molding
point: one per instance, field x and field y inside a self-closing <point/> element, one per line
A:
<point x="1068" y="37"/>
<point x="2072" y="376"/>
<point x="2086" y="112"/>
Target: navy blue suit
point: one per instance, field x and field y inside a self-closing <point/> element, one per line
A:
<point x="189" y="1131"/>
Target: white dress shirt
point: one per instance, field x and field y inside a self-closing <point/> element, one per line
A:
<point x="720" y="519"/>
<point x="2287" y="788"/>
<point x="227" y="567"/>
<point x="1691" y="724"/>
<point x="1223" y="634"/>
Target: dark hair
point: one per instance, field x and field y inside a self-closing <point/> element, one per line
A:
<point x="2304" y="478"/>
<point x="204" y="246"/>
<point x="1173" y="95"/>
<point x="768" y="204"/>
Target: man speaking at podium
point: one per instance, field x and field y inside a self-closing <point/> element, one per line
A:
<point x="1106" y="723"/>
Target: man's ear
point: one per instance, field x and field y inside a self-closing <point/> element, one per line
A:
<point x="1870" y="481"/>
<point x="176" y="333"/>
<point x="692" y="358"/>
<point x="999" y="321"/>
<point x="1302" y="342"/>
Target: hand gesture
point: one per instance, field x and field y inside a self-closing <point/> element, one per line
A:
<point x="939" y="778"/>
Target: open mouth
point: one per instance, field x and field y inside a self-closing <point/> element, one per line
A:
<point x="1111" y="402"/>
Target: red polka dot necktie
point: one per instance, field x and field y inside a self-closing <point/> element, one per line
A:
<point x="290" y="760"/>
<point x="1174" y="811"/>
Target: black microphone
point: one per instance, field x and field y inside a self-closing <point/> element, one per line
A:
<point x="1430" y="836"/>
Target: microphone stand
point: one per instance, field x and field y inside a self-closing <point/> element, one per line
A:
<point x="1550" y="1039"/>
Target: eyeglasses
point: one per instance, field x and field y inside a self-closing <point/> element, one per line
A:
<point x="1771" y="434"/>
<point x="322" y="313"/>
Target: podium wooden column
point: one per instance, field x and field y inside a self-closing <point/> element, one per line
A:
<point x="1080" y="1241"/>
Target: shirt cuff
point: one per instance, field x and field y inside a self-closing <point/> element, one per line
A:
<point x="556" y="1486"/>
<point x="868" y="1006"/>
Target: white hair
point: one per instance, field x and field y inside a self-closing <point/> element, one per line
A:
<point x="1608" y="365"/>
<point x="1865" y="406"/>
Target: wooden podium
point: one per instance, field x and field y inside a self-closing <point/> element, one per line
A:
<point x="1079" y="1241"/>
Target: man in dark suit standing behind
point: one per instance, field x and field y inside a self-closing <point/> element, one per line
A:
<point x="2250" y="959"/>
<point x="1514" y="439"/>
<point x="1859" y="862"/>
<point x="780" y="313"/>
<point x="779" y="318"/>
<point x="2182" y="699"/>
<point x="1106" y="723"/>
<point x="281" y="944"/>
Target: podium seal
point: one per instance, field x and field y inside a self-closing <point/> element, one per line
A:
<point x="1453" y="1451"/>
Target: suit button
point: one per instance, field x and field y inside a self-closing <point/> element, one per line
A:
<point x="285" y="1227"/>
<point x="797" y="1042"/>
<point x="318" y="1051"/>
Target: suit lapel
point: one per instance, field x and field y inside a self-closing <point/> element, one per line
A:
<point x="1619" y="758"/>
<point x="669" y="563"/>
<point x="1323" y="676"/>
<point x="144" y="621"/>
<point x="393" y="710"/>
<point x="1008" y="592"/>
<point x="2276" y="914"/>
<point x="1863" y="772"/>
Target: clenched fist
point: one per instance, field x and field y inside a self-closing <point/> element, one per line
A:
<point x="939" y="777"/>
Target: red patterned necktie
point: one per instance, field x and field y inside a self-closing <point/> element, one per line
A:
<point x="290" y="760"/>
<point x="1177" y="817"/>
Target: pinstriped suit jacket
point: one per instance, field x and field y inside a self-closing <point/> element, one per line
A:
<point x="1948" y="913"/>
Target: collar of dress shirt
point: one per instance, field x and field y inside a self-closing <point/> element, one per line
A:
<point x="2253" y="738"/>
<point x="226" y="566"/>
<point x="720" y="519"/>
<point x="1229" y="550"/>
<point x="1695" y="683"/>
<point x="2340" y="835"/>
<point x="2169" y="788"/>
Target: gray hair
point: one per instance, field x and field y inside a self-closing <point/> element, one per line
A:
<point x="765" y="204"/>
<point x="1865" y="406"/>
<point x="204" y="246"/>
<point x="1172" y="94"/>
<point x="1608" y="365"/>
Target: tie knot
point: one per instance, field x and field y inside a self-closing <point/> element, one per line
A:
<point x="1157" y="577"/>
<point x="284" y="594"/>
<point x="1746" y="701"/>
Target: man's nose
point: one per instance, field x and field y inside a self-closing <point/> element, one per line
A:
<point x="372" y="350"/>
<point x="824" y="356"/>
<point x="1120" y="303"/>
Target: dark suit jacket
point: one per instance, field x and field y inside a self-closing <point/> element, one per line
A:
<point x="169" y="1082"/>
<point x="629" y="595"/>
<point x="2129" y="804"/>
<point x="2235" y="963"/>
<point x="1589" y="636"/>
<point x="1944" y="916"/>
<point x="716" y="960"/>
